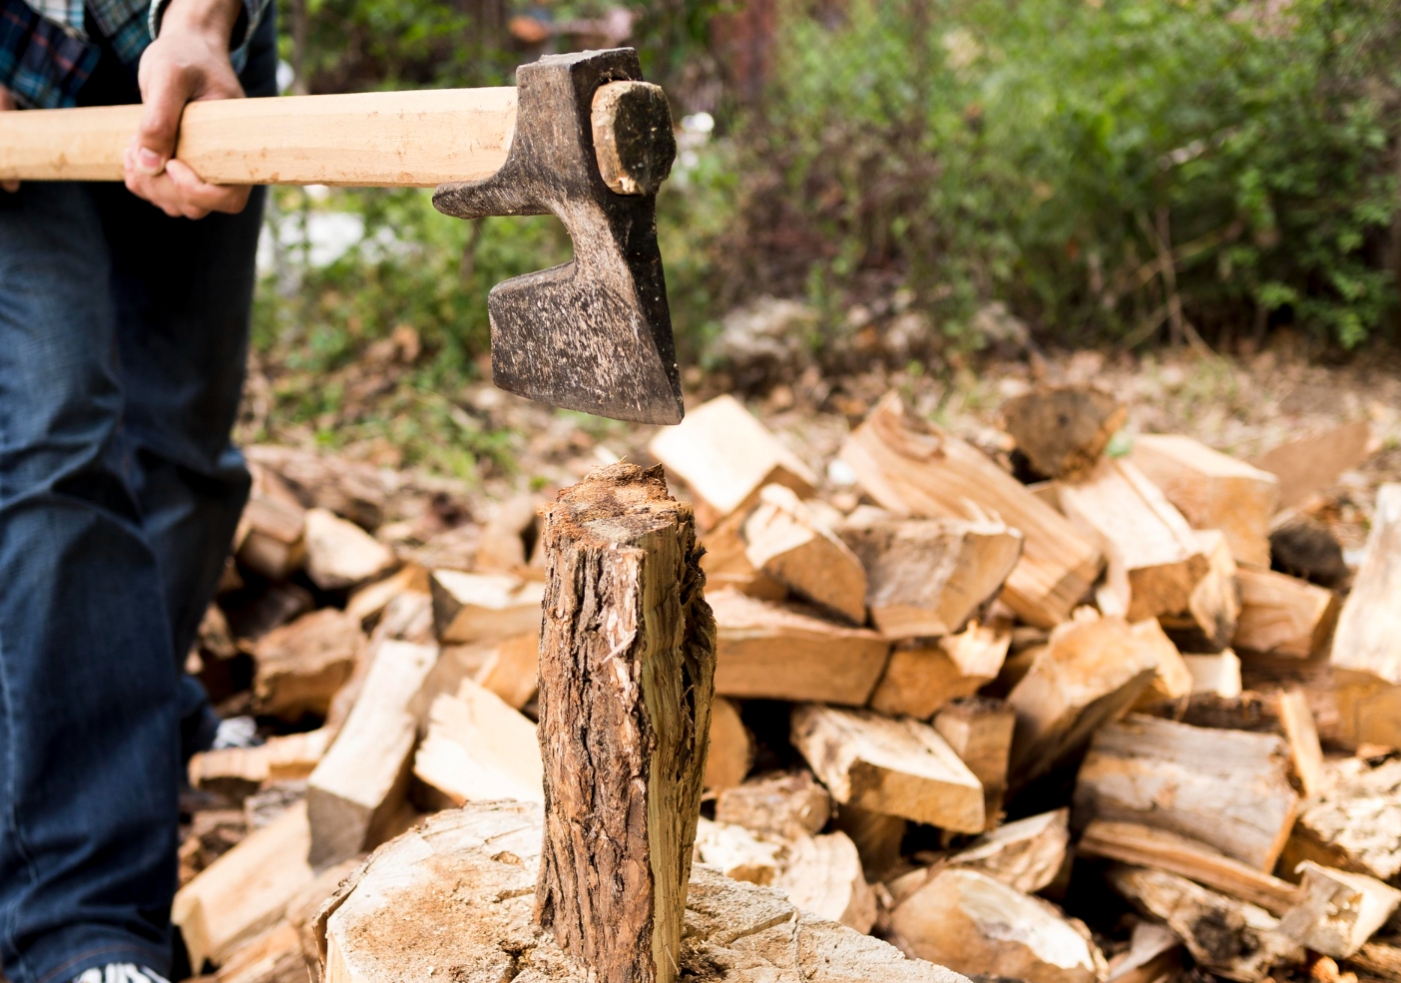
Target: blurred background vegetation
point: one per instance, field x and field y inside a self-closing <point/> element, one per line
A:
<point x="924" y="178"/>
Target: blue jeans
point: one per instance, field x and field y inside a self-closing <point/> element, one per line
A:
<point x="123" y="336"/>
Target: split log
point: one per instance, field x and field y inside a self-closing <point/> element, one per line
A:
<point x="726" y="456"/>
<point x="1339" y="911"/>
<point x="823" y="876"/>
<point x="878" y="837"/>
<point x="726" y="561"/>
<point x="511" y="669"/>
<point x="1213" y="491"/>
<point x="1296" y="720"/>
<point x="1218" y="674"/>
<point x="301" y="666"/>
<point x="1154" y="561"/>
<point x="484" y="607"/>
<point x="1026" y="855"/>
<point x="1172" y="680"/>
<point x="778" y="652"/>
<point x="368" y="603"/>
<point x="975" y="924"/>
<point x="913" y="468"/>
<point x="1308" y="465"/>
<point x="899" y="767"/>
<point x="359" y="491"/>
<point x="1228" y="789"/>
<point x="787" y="541"/>
<point x="1363" y="710"/>
<point x="979" y="729"/>
<point x="502" y="546"/>
<point x="1282" y="615"/>
<point x="356" y="793"/>
<point x="478" y="748"/>
<point x="627" y="666"/>
<point x="1354" y="822"/>
<point x="1154" y="953"/>
<point x="924" y="675"/>
<point x="1213" y="611"/>
<point x="790" y="805"/>
<point x="339" y="554"/>
<point x="731" y="751"/>
<point x="929" y="576"/>
<point x="270" y="539"/>
<point x="740" y="854"/>
<point x="1368" y="639"/>
<point x="238" y="772"/>
<point x="1063" y="430"/>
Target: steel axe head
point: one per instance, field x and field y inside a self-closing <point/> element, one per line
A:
<point x="593" y="334"/>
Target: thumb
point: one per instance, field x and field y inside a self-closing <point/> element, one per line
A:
<point x="164" y="96"/>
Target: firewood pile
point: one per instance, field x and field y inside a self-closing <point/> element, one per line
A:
<point x="1087" y="710"/>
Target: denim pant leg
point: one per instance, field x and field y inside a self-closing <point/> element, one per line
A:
<point x="89" y="729"/>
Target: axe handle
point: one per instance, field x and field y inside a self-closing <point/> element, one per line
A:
<point x="380" y="139"/>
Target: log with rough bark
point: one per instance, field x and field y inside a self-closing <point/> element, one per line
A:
<point x="731" y="751"/>
<point x="1354" y="822"/>
<point x="979" y="729"/>
<point x="627" y="666"/>
<point x="339" y="554"/>
<point x="1209" y="622"/>
<point x="301" y="666"/>
<point x="484" y="607"/>
<point x="1308" y="465"/>
<point x="1368" y="639"/>
<point x="787" y="804"/>
<point x="924" y="675"/>
<point x="1339" y="911"/>
<point x="1283" y="616"/>
<point x="479" y="748"/>
<point x="1213" y="491"/>
<point x="913" y="468"/>
<point x="1063" y="430"/>
<point x="788" y="542"/>
<point x="929" y="576"/>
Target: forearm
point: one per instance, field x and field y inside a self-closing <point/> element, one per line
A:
<point x="206" y="18"/>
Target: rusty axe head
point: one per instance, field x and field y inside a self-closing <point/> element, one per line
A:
<point x="593" y="334"/>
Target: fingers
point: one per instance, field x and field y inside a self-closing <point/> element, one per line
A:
<point x="164" y="93"/>
<point x="178" y="190"/>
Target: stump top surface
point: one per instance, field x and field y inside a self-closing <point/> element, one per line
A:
<point x="616" y="504"/>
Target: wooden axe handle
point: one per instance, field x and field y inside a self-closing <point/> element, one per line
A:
<point x="379" y="139"/>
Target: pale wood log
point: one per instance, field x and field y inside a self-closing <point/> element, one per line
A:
<point x="878" y="837"/>
<point x="823" y="876"/>
<point x="1145" y="846"/>
<point x="357" y="792"/>
<point x="238" y="772"/>
<point x="1354" y="822"/>
<point x="1233" y="939"/>
<point x="1368" y="639"/>
<point x="1282" y="615"/>
<point x="270" y="538"/>
<point x="627" y="666"/>
<point x="484" y="607"/>
<point x="1063" y="430"/>
<point x="1339" y="911"/>
<point x="1154" y="953"/>
<point x="726" y="456"/>
<point x="900" y="767"/>
<point x="1218" y="674"/>
<point x="924" y="675"/>
<point x="273" y="957"/>
<point x="727" y="565"/>
<point x="367" y="604"/>
<point x="1363" y="710"/>
<point x="1172" y="680"/>
<point x="480" y="863"/>
<point x="781" y="652"/>
<point x="300" y="666"/>
<point x="929" y="576"/>
<point x="740" y="853"/>
<point x="1213" y="491"/>
<point x="1090" y="672"/>
<point x="1228" y="789"/>
<point x="1209" y="622"/>
<point x="915" y="469"/>
<point x="339" y="554"/>
<point x="787" y="804"/>
<point x="980" y="729"/>
<point x="1378" y="959"/>
<point x="502" y="543"/>
<point x="1311" y="464"/>
<point x="731" y="751"/>
<point x="478" y="748"/>
<point x="1027" y="854"/>
<point x="1154" y="560"/>
<point x="975" y="924"/>
<point x="787" y="541"/>
<point x="1297" y="722"/>
<point x="512" y="668"/>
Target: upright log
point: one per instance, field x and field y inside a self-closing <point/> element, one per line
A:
<point x="627" y="667"/>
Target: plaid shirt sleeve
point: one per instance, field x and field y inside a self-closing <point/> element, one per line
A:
<point x="248" y="21"/>
<point x="42" y="64"/>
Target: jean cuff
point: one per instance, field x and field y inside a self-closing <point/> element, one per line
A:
<point x="62" y="955"/>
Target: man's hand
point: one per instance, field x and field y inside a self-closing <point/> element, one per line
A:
<point x="7" y="101"/>
<point x="187" y="63"/>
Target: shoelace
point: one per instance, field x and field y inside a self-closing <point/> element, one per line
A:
<point x="120" y="973"/>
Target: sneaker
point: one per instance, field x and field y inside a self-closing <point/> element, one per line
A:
<point x="236" y="732"/>
<point x="120" y="973"/>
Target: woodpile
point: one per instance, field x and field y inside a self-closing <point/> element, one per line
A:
<point x="1051" y="718"/>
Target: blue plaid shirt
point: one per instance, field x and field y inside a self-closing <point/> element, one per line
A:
<point x="46" y="53"/>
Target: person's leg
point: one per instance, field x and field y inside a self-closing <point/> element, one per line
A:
<point x="89" y="747"/>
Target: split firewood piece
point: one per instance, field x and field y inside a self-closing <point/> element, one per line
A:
<point x="1229" y="789"/>
<point x="899" y="767"/>
<point x="1172" y="680"/>
<point x="823" y="875"/>
<point x="915" y="469"/>
<point x="304" y="906"/>
<point x="925" y="674"/>
<point x="731" y="752"/>
<point x="929" y="576"/>
<point x="627" y="667"/>
<point x="1155" y="561"/>
<point x="1154" y="953"/>
<point x="1282" y="615"/>
<point x="339" y="554"/>
<point x="489" y="856"/>
<point x="785" y="804"/>
<point x="727" y="565"/>
<point x="271" y="538"/>
<point x="1091" y="671"/>
<point x="1339" y="911"/>
<point x="484" y="607"/>
<point x="246" y="890"/>
<point x="238" y="772"/>
<point x="1311" y="464"/>
<point x="979" y="729"/>
<point x="1232" y="938"/>
<point x="301" y="666"/>
<point x="740" y="853"/>
<point x="512" y="669"/>
<point x="1354" y="822"/>
<point x="357" y="490"/>
<point x="1144" y="846"/>
<point x="975" y="924"/>
<point x="1362" y="710"/>
<point x="1368" y="639"/>
<point x="726" y="456"/>
<point x="478" y="748"/>
<point x="1213" y="491"/>
<point x="878" y="837"/>
<point x="1063" y="430"/>
<point x="1027" y="854"/>
<point x="1297" y="722"/>
<point x="781" y="652"/>
<point x="356" y="793"/>
<point x="1209" y="622"/>
<point x="789" y="543"/>
<point x="1378" y="959"/>
<point x="1218" y="674"/>
<point x="274" y="956"/>
<point x="502" y="546"/>
<point x="367" y="604"/>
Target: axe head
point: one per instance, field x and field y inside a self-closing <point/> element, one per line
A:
<point x="593" y="334"/>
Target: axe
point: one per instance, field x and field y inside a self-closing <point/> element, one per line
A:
<point x="581" y="136"/>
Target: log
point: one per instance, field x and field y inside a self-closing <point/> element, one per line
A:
<point x="511" y="670"/>
<point x="823" y="876"/>
<point x="1154" y="560"/>
<point x="924" y="675"/>
<point x="367" y="604"/>
<point x="1339" y="911"/>
<point x="1026" y="855"/>
<point x="878" y="837"/>
<point x="1228" y="789"/>
<point x="727" y="565"/>
<point x="1308" y="465"/>
<point x="484" y="607"/>
<point x="1368" y="639"/>
<point x="1172" y="680"/>
<point x="1283" y="616"/>
<point x="731" y="751"/>
<point x="481" y="864"/>
<point x="913" y="468"/>
<point x="1213" y="611"/>
<point x="787" y="541"/>
<point x="1218" y="674"/>
<point x="898" y="767"/>
<point x="979" y="730"/>
<point x="1354" y="822"/>
<point x="273" y="957"/>
<point x="339" y="554"/>
<point x="627" y="666"/>
<point x="270" y="539"/>
<point x="1379" y="960"/>
<point x="478" y="748"/>
<point x="1063" y="430"/>
<point x="789" y="805"/>
<point x="357" y="490"/>
<point x="739" y="853"/>
<point x="726" y="456"/>
<point x="975" y="924"/>
<point x="1154" y="953"/>
<point x="301" y="666"/>
<point x="356" y="793"/>
<point x="1296" y="720"/>
<point x="238" y="772"/>
<point x="930" y="576"/>
<point x="782" y="652"/>
<point x="1213" y="491"/>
